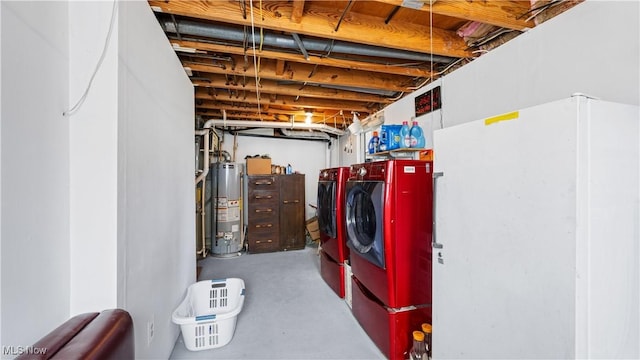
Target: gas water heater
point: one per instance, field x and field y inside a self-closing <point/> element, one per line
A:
<point x="226" y="195"/>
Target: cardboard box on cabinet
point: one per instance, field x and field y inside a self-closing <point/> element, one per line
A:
<point x="258" y="166"/>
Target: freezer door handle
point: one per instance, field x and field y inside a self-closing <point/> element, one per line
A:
<point x="434" y="242"/>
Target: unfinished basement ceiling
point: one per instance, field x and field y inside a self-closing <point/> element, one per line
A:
<point x="325" y="60"/>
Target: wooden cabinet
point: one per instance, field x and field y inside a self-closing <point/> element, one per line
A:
<point x="292" y="225"/>
<point x="275" y="213"/>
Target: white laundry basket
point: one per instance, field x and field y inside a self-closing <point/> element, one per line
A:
<point x="207" y="315"/>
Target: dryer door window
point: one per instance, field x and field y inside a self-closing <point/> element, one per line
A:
<point x="327" y="208"/>
<point x="364" y="220"/>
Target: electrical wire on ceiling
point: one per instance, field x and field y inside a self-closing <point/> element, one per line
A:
<point x="540" y="11"/>
<point x="440" y="72"/>
<point x="397" y="97"/>
<point x="489" y="37"/>
<point x="537" y="10"/>
<point x="80" y="101"/>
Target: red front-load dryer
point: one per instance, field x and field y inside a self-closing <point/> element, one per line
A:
<point x="388" y="207"/>
<point x="334" y="253"/>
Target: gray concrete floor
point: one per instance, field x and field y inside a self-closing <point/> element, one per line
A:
<point x="289" y="312"/>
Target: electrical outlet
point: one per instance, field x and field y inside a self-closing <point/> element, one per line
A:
<point x="150" y="330"/>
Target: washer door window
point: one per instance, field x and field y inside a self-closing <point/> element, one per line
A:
<point x="327" y="207"/>
<point x="364" y="219"/>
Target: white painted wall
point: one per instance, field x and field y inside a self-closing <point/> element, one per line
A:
<point x="35" y="170"/>
<point x="98" y="207"/>
<point x="94" y="158"/>
<point x="547" y="63"/>
<point x="156" y="192"/>
<point x="306" y="157"/>
<point x="350" y="149"/>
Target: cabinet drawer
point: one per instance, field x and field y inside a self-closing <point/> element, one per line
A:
<point x="263" y="182"/>
<point x="263" y="213"/>
<point x="263" y="201"/>
<point x="263" y="242"/>
<point x="263" y="228"/>
<point x="262" y="195"/>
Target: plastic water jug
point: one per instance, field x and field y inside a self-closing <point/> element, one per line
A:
<point x="405" y="136"/>
<point x="416" y="136"/>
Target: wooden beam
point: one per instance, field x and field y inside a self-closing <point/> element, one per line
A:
<point x="297" y="11"/>
<point x="253" y="108"/>
<point x="309" y="73"/>
<point x="279" y="67"/>
<point x="315" y="60"/>
<point x="216" y="82"/>
<point x="502" y="13"/>
<point x="331" y="119"/>
<point x="299" y="103"/>
<point x="320" y="22"/>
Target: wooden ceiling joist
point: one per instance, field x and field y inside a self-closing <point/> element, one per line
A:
<point x="315" y="60"/>
<point x="310" y="73"/>
<point x="246" y="113"/>
<point x="321" y="22"/>
<point x="292" y="101"/>
<point x="216" y="82"/>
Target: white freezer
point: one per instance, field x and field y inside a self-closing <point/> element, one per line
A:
<point x="538" y="214"/>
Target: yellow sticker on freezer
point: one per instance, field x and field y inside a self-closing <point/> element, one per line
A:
<point x="504" y="117"/>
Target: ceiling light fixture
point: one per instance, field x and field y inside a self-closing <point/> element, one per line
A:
<point x="308" y="115"/>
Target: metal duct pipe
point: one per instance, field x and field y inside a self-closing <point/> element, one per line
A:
<point x="222" y="153"/>
<point x="275" y="124"/>
<point x="218" y="31"/>
<point x="306" y="134"/>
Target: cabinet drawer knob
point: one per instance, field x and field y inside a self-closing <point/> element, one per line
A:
<point x="263" y="196"/>
<point x="264" y="225"/>
<point x="260" y="241"/>
<point x="263" y="182"/>
<point x="287" y="201"/>
<point x="263" y="210"/>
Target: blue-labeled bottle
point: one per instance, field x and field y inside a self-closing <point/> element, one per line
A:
<point x="405" y="137"/>
<point x="374" y="143"/>
<point x="289" y="169"/>
<point x="384" y="139"/>
<point x="417" y="136"/>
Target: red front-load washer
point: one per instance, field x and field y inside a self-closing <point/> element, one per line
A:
<point x="334" y="253"/>
<point x="389" y="224"/>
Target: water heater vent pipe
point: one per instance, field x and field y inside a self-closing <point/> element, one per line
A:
<point x="205" y="131"/>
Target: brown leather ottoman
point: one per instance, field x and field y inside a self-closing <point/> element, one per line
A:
<point x="105" y="335"/>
